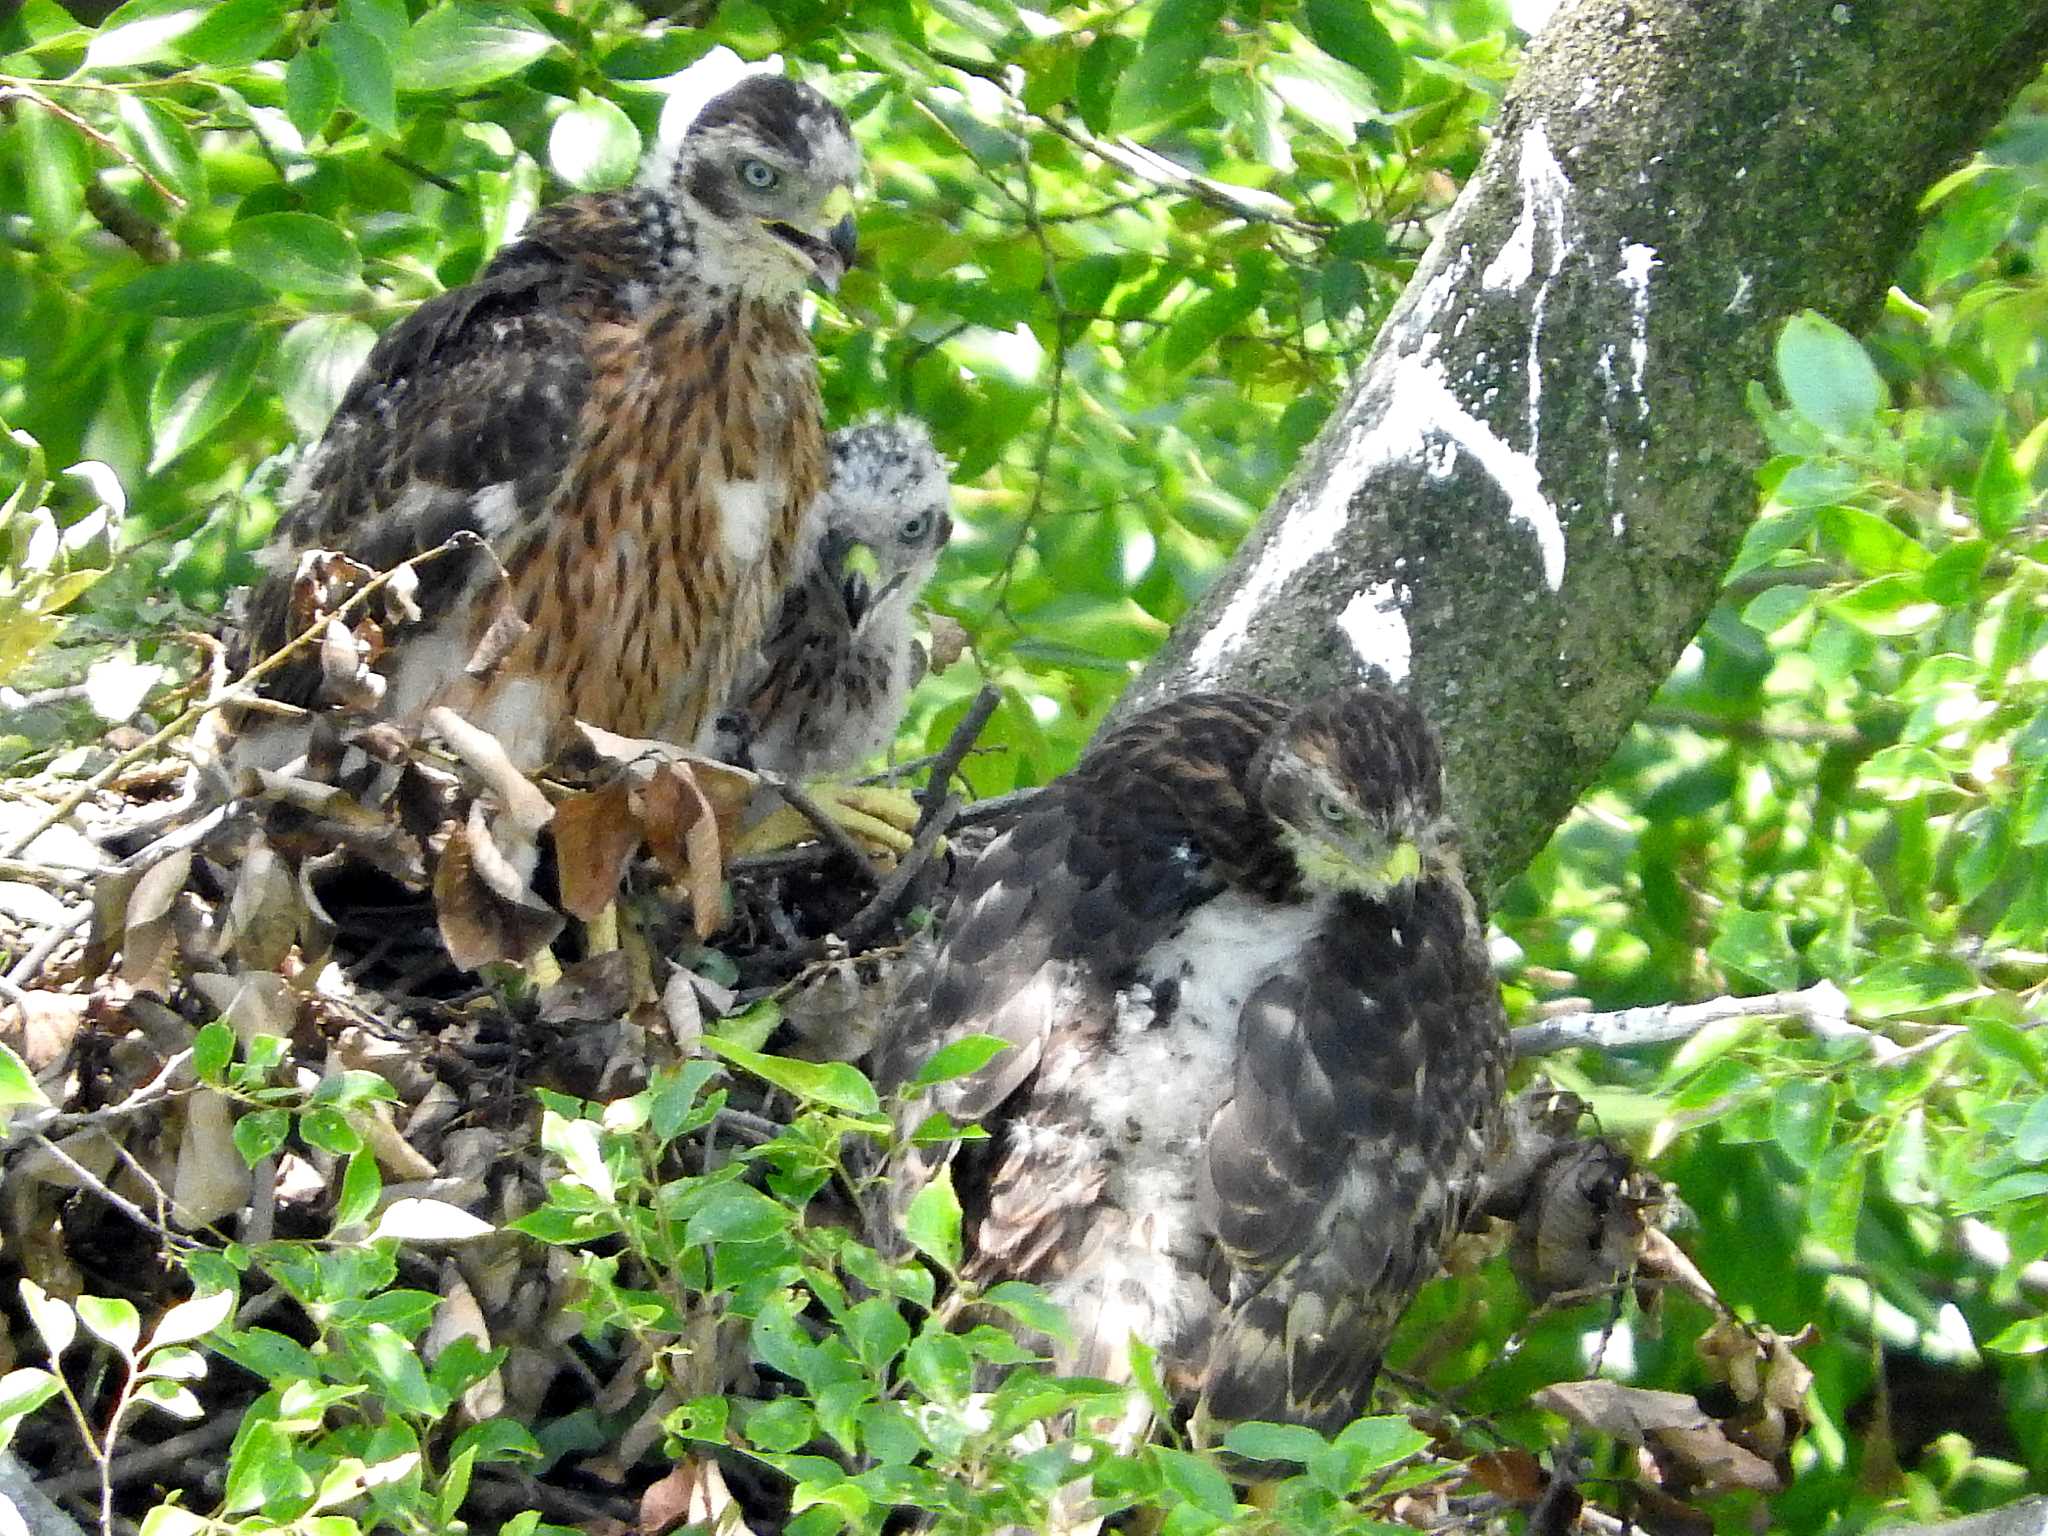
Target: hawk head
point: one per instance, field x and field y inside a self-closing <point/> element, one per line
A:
<point x="761" y="177"/>
<point x="886" y="513"/>
<point x="1354" y="782"/>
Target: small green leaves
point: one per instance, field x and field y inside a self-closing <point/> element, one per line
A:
<point x="203" y="381"/>
<point x="933" y="1222"/>
<point x="1348" y="31"/>
<point x="959" y="1058"/>
<point x="462" y="45"/>
<point x="594" y="146"/>
<point x="298" y="253"/>
<point x="17" y="1084"/>
<point x="834" y="1084"/>
<point x="54" y="170"/>
<point x="1827" y="375"/>
<point x="362" y="70"/>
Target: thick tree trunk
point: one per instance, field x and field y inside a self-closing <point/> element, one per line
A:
<point x="1524" y="505"/>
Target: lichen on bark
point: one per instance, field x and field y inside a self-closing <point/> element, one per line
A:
<point x="1523" y="507"/>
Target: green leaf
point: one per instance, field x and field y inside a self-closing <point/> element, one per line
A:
<point x="832" y="1083"/>
<point x="2028" y="1336"/>
<point x="1911" y="986"/>
<point x="160" y="141"/>
<point x="1348" y="31"/>
<point x="462" y="45"/>
<point x="1102" y="65"/>
<point x="360" y="1187"/>
<point x="188" y="290"/>
<point x="1197" y="1481"/>
<point x="780" y="1424"/>
<point x="141" y="32"/>
<point x="877" y="1332"/>
<point x="362" y="65"/>
<point x="298" y="253"/>
<point x="17" y="1083"/>
<point x="2030" y="1139"/>
<point x="113" y="1321"/>
<point x="1775" y="607"/>
<point x="594" y="146"/>
<point x="1834" y="1198"/>
<point x="53" y="170"/>
<point x="1827" y="375"/>
<point x="396" y="1370"/>
<point x="203" y="380"/>
<point x="959" y="1058"/>
<point x="312" y="90"/>
<point x="236" y="32"/>
<point x="52" y="1316"/>
<point x="22" y="1392"/>
<point x="933" y="1222"/>
<point x="1198" y="326"/>
<point x="733" y="1213"/>
<point x="260" y="1133"/>
<point x="1756" y="945"/>
<point x="194" y="1319"/>
<point x="1162" y="82"/>
<point x="1273" y="1442"/>
<point x="1803" y="1118"/>
<point x="2001" y="495"/>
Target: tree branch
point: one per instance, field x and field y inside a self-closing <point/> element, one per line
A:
<point x="1523" y="509"/>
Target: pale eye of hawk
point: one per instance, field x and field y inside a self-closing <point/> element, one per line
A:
<point x="1332" y="810"/>
<point x="759" y="175"/>
<point x="914" y="527"/>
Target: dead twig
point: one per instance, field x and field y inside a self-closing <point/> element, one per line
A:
<point x="1822" y="1008"/>
<point x="138" y="1465"/>
<point x="881" y="910"/>
<point x="947" y="763"/>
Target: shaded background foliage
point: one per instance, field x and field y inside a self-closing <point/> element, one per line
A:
<point x="1120" y="258"/>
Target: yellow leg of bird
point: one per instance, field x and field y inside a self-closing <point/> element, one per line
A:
<point x="879" y="819"/>
<point x="601" y="933"/>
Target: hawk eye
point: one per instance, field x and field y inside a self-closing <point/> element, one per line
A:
<point x="914" y="527"/>
<point x="1332" y="810"/>
<point x="758" y="174"/>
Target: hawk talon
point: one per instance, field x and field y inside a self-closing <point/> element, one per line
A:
<point x="881" y="820"/>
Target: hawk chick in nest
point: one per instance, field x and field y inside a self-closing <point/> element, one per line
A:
<point x="828" y="687"/>
<point x="624" y="405"/>
<point x="1256" y="1052"/>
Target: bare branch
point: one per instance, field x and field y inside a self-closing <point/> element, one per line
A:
<point x="1822" y="1009"/>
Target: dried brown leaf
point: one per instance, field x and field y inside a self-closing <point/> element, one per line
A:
<point x="683" y="834"/>
<point x="485" y="909"/>
<point x="524" y="806"/>
<point x="506" y="630"/>
<point x="148" y="942"/>
<point x="40" y="1026"/>
<point x="265" y="912"/>
<point x="694" y="1493"/>
<point x="1707" y="1458"/>
<point x="459" y="1317"/>
<point x="211" y="1180"/>
<point x="1626" y="1413"/>
<point x="680" y="1011"/>
<point x="1512" y="1474"/>
<point x="595" y="837"/>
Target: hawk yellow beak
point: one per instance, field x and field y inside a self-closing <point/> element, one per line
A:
<point x="1403" y="863"/>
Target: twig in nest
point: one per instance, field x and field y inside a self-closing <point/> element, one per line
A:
<point x="868" y="923"/>
<point x="955" y="751"/>
<point x="313" y="633"/>
<point x="134" y="1466"/>
<point x="32" y="962"/>
<point x="996" y="807"/>
<point x="49" y="1122"/>
<point x="836" y="836"/>
<point x="135" y="1213"/>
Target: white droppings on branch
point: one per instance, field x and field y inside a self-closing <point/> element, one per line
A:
<point x="1546" y="208"/>
<point x="1417" y="413"/>
<point x="1377" y="629"/>
<point x="1546" y="205"/>
<point x="1637" y="261"/>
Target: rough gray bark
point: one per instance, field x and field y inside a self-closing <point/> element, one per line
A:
<point x="1523" y="508"/>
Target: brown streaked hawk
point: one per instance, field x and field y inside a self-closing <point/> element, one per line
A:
<point x="1256" y="1050"/>
<point x="624" y="405"/>
<point x="828" y="687"/>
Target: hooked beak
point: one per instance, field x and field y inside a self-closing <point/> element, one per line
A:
<point x="1402" y="864"/>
